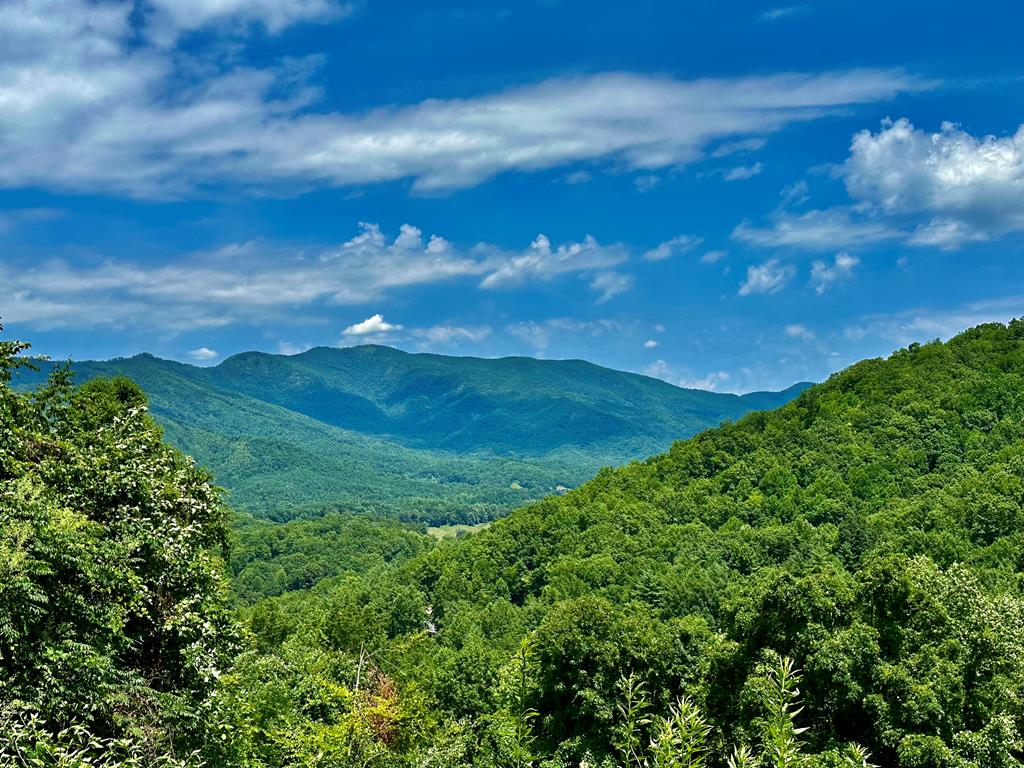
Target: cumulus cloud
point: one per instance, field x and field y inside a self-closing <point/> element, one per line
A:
<point x="651" y="344"/>
<point x="713" y="257"/>
<point x="941" y="189"/>
<point x="971" y="187"/>
<point x="203" y="353"/>
<point x="541" y="262"/>
<point x="673" y="247"/>
<point x="824" y="274"/>
<point x="770" y="277"/>
<point x="375" y="325"/>
<point x="254" y="281"/>
<point x="88" y="105"/>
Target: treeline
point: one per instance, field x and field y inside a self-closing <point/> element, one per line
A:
<point x="850" y="564"/>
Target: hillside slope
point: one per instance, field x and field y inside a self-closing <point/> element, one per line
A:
<point x="425" y="436"/>
<point x="872" y="530"/>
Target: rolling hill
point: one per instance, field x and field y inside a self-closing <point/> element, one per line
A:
<point x="871" y="531"/>
<point x="424" y="436"/>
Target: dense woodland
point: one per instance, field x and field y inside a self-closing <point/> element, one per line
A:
<point x="837" y="582"/>
<point x="421" y="437"/>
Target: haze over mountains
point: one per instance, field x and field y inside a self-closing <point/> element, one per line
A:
<point x="420" y="435"/>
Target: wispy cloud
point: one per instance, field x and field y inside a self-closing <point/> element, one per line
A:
<point x="825" y="274"/>
<point x="91" y="106"/>
<point x="166" y="19"/>
<point x="799" y="331"/>
<point x="926" y="323"/>
<point x="770" y="277"/>
<point x="610" y="284"/>
<point x="817" y="230"/>
<point x="781" y="12"/>
<point x="673" y="247"/>
<point x="538" y="336"/>
<point x="741" y="172"/>
<point x="252" y="282"/>
<point x="713" y="381"/>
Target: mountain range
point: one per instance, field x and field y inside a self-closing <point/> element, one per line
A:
<point x="423" y="436"/>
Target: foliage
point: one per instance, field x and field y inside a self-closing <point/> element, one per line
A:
<point x="428" y="438"/>
<point x="871" y="531"/>
<point x="869" y="534"/>
<point x="113" y="625"/>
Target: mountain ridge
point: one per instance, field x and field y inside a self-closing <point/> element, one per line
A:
<point x="440" y="437"/>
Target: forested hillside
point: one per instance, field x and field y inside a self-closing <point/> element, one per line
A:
<point x="837" y="582"/>
<point x="423" y="437"/>
<point x="871" y="531"/>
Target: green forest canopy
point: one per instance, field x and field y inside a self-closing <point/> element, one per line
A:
<point x="422" y="437"/>
<point x="857" y="552"/>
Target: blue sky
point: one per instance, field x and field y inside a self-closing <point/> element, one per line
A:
<point x="725" y="195"/>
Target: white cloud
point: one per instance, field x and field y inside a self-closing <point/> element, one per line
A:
<point x="254" y="281"/>
<point x="15" y="217"/>
<point x="651" y="344"/>
<point x="646" y="183"/>
<point x="541" y="262"/>
<point x="972" y="188"/>
<point x="713" y="257"/>
<point x="610" y="284"/>
<point x="447" y="334"/>
<point x="817" y="230"/>
<point x="942" y="189"/>
<point x="823" y="274"/>
<point x="799" y="331"/>
<point x="924" y="324"/>
<point x="743" y="172"/>
<point x="775" y="14"/>
<point x="539" y="335"/>
<point x="375" y="325"/>
<point x="673" y="247"/>
<point x="287" y="348"/>
<point x="947" y="234"/>
<point x="170" y="17"/>
<point x="203" y="353"/>
<point x="794" y="194"/>
<point x="710" y="382"/>
<point x="736" y="147"/>
<point x="578" y="177"/>
<point x="659" y="369"/>
<point x="88" y="105"/>
<point x="769" y="277"/>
